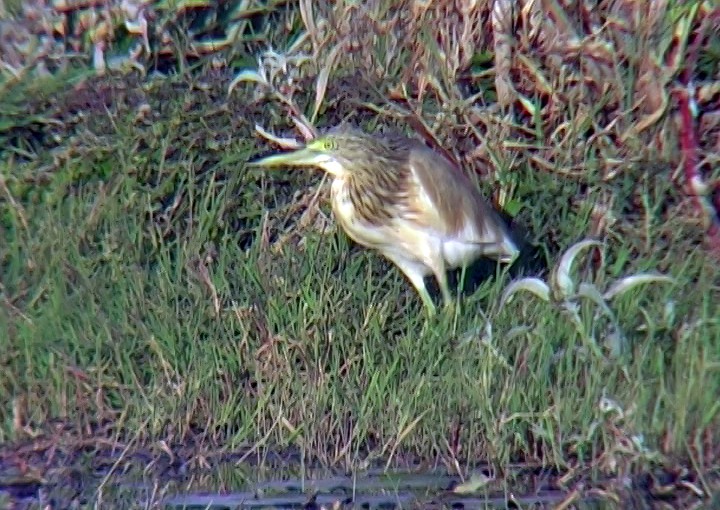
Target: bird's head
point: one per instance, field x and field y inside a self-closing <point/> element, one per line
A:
<point x="340" y="152"/>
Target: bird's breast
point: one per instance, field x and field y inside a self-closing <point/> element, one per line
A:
<point x="346" y="215"/>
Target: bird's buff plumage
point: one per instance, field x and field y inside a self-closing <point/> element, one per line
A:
<point x="398" y="196"/>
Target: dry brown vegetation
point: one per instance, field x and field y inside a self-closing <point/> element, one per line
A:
<point x="597" y="92"/>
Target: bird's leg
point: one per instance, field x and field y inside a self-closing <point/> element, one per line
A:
<point x="438" y="268"/>
<point x="414" y="272"/>
<point x="448" y="300"/>
<point x="418" y="281"/>
<point x="426" y="298"/>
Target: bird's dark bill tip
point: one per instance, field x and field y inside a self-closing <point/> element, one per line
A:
<point x="258" y="158"/>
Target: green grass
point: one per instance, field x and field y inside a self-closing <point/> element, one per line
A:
<point x="139" y="286"/>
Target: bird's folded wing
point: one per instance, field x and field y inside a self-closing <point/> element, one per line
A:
<point x="442" y="198"/>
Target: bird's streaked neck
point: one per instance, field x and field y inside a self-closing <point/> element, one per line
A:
<point x="333" y="167"/>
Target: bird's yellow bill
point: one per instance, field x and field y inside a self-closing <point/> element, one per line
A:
<point x="301" y="157"/>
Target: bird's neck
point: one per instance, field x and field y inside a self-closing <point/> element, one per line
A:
<point x="374" y="196"/>
<point x="334" y="168"/>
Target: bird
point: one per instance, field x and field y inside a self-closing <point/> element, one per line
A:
<point x="396" y="195"/>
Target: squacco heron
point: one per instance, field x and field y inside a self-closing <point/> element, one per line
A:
<point x="399" y="197"/>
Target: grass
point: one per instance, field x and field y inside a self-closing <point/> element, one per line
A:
<point x="150" y="281"/>
<point x="140" y="285"/>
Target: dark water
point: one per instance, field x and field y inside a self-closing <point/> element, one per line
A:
<point x="372" y="489"/>
<point x="394" y="490"/>
<point x="45" y="473"/>
<point x="233" y="484"/>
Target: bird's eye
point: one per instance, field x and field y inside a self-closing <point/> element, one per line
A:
<point x="330" y="145"/>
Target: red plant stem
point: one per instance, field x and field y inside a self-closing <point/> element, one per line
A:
<point x="688" y="145"/>
<point x="688" y="140"/>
